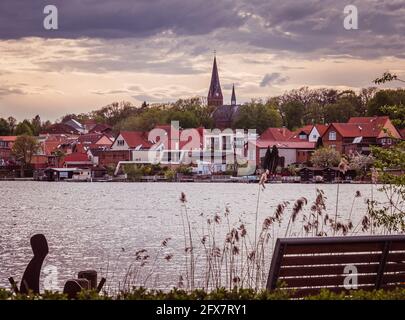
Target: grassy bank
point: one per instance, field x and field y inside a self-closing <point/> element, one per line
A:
<point x="219" y="294"/>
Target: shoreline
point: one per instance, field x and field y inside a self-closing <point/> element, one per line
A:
<point x="187" y="181"/>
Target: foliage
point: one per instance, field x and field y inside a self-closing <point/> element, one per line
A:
<point x="389" y="167"/>
<point x="383" y="98"/>
<point x="184" y="169"/>
<point x="133" y="172"/>
<point x="387" y="77"/>
<point x="23" y="149"/>
<point x="170" y="174"/>
<point x="5" y="129"/>
<point x="325" y="157"/>
<point x="257" y="115"/>
<point x="360" y="162"/>
<point x="396" y="114"/>
<point x="24" y="128"/>
<point x="222" y="294"/>
<point x="190" y="113"/>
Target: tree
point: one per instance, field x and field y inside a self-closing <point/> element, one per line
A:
<point x="24" y="128"/>
<point x="36" y="125"/>
<point x="4" y="127"/>
<point x="293" y="114"/>
<point x="319" y="143"/>
<point x="346" y="106"/>
<point x="385" y="98"/>
<point x="58" y="154"/>
<point x="361" y="162"/>
<point x="257" y="115"/>
<point x="325" y="157"/>
<point x="11" y="123"/>
<point x="396" y="114"/>
<point x="23" y="149"/>
<point x="390" y="168"/>
<point x="387" y="77"/>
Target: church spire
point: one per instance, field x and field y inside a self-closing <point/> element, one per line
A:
<point x="215" y="97"/>
<point x="233" y="98"/>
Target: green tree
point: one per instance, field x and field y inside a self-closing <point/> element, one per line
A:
<point x="257" y="115"/>
<point x="325" y="157"/>
<point x="5" y="129"/>
<point x="36" y="125"/>
<point x="345" y="107"/>
<point x="293" y="114"/>
<point x="24" y="128"/>
<point x="385" y="98"/>
<point x="23" y="149"/>
<point x="12" y="122"/>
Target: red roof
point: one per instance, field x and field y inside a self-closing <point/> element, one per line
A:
<point x="370" y="127"/>
<point x="90" y="138"/>
<point x="321" y="128"/>
<point x="277" y="134"/>
<point x="60" y="128"/>
<point x="77" y="157"/>
<point x="8" y="138"/>
<point x="100" y="128"/>
<point x="306" y="129"/>
<point x="136" y="138"/>
<point x="373" y="120"/>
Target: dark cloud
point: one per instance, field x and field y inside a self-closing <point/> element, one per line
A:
<point x="116" y="19"/>
<point x="273" y="78"/>
<point x="311" y="28"/>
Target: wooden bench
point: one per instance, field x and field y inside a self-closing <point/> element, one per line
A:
<point x="307" y="265"/>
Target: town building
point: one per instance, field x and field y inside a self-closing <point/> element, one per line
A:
<point x="359" y="134"/>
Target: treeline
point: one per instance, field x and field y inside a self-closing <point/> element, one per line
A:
<point x="32" y="127"/>
<point x="292" y="109"/>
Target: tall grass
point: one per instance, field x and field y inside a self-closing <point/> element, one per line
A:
<point x="224" y="252"/>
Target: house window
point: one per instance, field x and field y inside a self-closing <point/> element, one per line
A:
<point x="389" y="141"/>
<point x="303" y="136"/>
<point x="332" y="135"/>
<point x="120" y="143"/>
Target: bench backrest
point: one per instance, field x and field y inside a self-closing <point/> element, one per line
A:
<point x="308" y="265"/>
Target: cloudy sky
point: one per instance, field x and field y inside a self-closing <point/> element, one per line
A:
<point x="162" y="50"/>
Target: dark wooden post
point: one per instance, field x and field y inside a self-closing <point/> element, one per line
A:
<point x="91" y="276"/>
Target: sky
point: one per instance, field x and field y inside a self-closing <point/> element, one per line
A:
<point x="162" y="50"/>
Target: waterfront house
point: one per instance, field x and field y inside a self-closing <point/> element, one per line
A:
<point x="290" y="152"/>
<point x="292" y="148"/>
<point x="359" y="134"/>
<point x="6" y="145"/>
<point x="77" y="160"/>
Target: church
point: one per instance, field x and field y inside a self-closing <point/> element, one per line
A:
<point x="223" y="115"/>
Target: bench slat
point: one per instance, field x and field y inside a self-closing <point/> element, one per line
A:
<point x="339" y="259"/>
<point x="334" y="248"/>
<point x="320" y="281"/>
<point x="336" y="270"/>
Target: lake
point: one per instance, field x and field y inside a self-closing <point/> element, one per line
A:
<point x="101" y="226"/>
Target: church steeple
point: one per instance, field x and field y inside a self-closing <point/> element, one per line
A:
<point x="215" y="97"/>
<point x="233" y="98"/>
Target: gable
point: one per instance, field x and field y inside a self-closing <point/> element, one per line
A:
<point x="118" y="145"/>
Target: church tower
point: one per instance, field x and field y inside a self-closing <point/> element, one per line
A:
<point x="215" y="97"/>
<point x="233" y="98"/>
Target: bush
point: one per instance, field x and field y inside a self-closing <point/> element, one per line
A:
<point x="218" y="294"/>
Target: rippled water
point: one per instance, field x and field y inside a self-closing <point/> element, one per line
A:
<point x="101" y="225"/>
